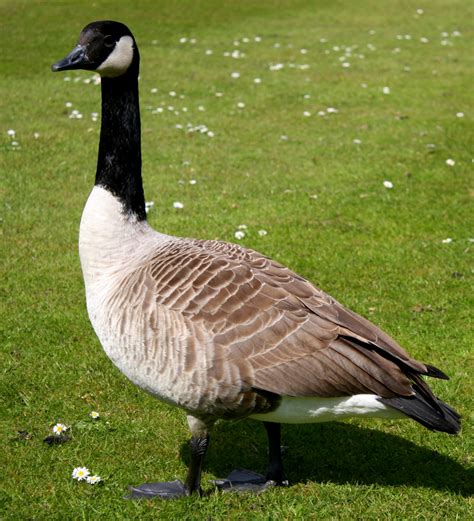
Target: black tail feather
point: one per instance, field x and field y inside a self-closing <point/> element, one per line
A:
<point x="441" y="418"/>
<point x="435" y="372"/>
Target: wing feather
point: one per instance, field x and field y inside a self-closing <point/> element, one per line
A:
<point x="285" y="335"/>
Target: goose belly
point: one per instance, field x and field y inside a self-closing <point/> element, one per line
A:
<point x="294" y="409"/>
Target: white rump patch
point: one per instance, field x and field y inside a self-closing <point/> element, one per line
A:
<point x="313" y="410"/>
<point x="119" y="59"/>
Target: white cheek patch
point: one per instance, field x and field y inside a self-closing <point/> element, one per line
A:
<point x="119" y="59"/>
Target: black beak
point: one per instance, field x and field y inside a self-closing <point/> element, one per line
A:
<point x="76" y="59"/>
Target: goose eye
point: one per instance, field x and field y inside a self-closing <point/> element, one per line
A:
<point x="109" y="41"/>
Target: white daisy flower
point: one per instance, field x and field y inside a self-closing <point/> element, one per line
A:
<point x="262" y="233"/>
<point x="257" y="80"/>
<point x="94" y="414"/>
<point x="11" y="132"/>
<point x="239" y="234"/>
<point x="93" y="480"/>
<point x="241" y="105"/>
<point x="276" y="67"/>
<point x="235" y="75"/>
<point x="388" y="184"/>
<point x="242" y="227"/>
<point x="386" y="90"/>
<point x="192" y="181"/>
<point x="459" y="114"/>
<point x="68" y="104"/>
<point x="80" y="473"/>
<point x="356" y="141"/>
<point x="450" y="162"/>
<point x="306" y="113"/>
<point x="210" y="133"/>
<point x="178" y="205"/>
<point x="209" y="52"/>
<point x="59" y="429"/>
<point x="447" y="240"/>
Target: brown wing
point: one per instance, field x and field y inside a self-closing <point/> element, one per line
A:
<point x="279" y="332"/>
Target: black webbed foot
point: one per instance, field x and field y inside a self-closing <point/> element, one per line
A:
<point x="166" y="490"/>
<point x="242" y="480"/>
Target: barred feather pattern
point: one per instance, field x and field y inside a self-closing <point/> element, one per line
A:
<point x="221" y="330"/>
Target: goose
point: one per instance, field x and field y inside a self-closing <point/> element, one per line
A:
<point x="218" y="330"/>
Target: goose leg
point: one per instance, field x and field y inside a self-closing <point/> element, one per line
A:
<point x="176" y="489"/>
<point x="242" y="480"/>
<point x="275" y="470"/>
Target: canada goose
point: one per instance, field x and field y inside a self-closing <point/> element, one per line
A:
<point x="214" y="328"/>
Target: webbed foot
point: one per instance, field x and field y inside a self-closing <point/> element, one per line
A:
<point x="166" y="490"/>
<point x="242" y="480"/>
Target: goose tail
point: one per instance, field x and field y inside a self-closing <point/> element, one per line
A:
<point x="428" y="410"/>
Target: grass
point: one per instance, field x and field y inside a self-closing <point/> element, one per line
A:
<point x="377" y="250"/>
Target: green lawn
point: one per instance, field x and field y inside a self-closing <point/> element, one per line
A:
<point x="314" y="182"/>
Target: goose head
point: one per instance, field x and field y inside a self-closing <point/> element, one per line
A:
<point x="106" y="47"/>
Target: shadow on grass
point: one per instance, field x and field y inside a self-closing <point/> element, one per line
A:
<point x="337" y="453"/>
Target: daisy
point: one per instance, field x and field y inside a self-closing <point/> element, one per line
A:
<point x="450" y="162"/>
<point x="239" y="234"/>
<point x="80" y="473"/>
<point x="93" y="480"/>
<point x="178" y="205"/>
<point x="59" y="429"/>
<point x="11" y="132"/>
<point x="94" y="414"/>
<point x="388" y="184"/>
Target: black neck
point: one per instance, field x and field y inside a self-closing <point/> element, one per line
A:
<point x="119" y="162"/>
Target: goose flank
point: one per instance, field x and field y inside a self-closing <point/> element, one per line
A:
<point x="216" y="329"/>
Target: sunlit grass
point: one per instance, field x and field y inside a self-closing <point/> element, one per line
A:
<point x="319" y="195"/>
